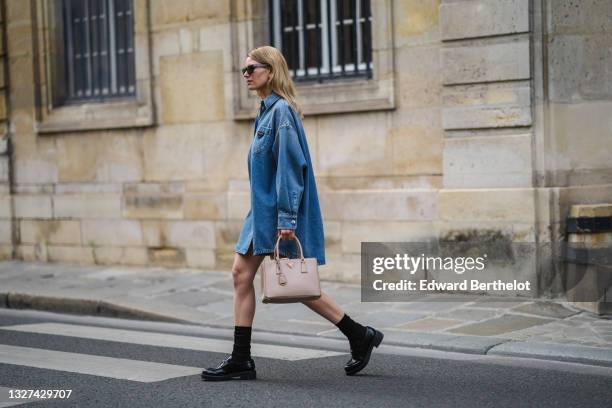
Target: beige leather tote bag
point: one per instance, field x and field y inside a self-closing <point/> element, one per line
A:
<point x="287" y="280"/>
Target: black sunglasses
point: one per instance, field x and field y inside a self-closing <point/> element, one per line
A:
<point x="250" y="68"/>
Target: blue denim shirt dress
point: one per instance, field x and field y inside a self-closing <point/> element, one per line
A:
<point x="283" y="189"/>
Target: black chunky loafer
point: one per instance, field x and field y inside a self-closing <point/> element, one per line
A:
<point x="360" y="358"/>
<point x="231" y="370"/>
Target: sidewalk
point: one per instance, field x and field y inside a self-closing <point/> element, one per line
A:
<point x="543" y="329"/>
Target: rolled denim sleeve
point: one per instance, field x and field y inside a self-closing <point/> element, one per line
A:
<point x="290" y="174"/>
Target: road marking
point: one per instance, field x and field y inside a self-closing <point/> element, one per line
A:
<point x="5" y="401"/>
<point x="120" y="368"/>
<point x="169" y="340"/>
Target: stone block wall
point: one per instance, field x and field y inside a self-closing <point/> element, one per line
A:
<point x="488" y="126"/>
<point x="469" y="146"/>
<point x="577" y="142"/>
<point x="7" y="225"/>
<point x="137" y="195"/>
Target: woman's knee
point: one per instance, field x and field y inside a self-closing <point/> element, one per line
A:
<point x="241" y="276"/>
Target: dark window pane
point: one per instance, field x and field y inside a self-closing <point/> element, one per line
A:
<point x="311" y="11"/>
<point x="340" y="34"/>
<point x="288" y="24"/>
<point x="131" y="74"/>
<point x="366" y="36"/>
<point x="94" y="45"/>
<point x="288" y="49"/>
<point x="288" y="9"/>
<point x="104" y="52"/>
<point x="313" y="50"/>
<point x="121" y="45"/>
<point x="345" y="7"/>
<point x="348" y="44"/>
<point x="99" y="44"/>
<point x="79" y="47"/>
<point x="86" y="48"/>
<point x="353" y="34"/>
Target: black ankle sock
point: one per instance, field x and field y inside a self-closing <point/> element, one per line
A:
<point x="352" y="330"/>
<point x="242" y="343"/>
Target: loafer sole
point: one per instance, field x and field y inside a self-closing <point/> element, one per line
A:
<point x="239" y="375"/>
<point x="378" y="337"/>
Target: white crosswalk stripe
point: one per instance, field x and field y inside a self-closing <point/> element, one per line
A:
<point x="128" y="369"/>
<point x="169" y="340"/>
<point x="120" y="368"/>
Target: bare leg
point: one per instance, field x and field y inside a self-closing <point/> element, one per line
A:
<point x="239" y="364"/>
<point x="243" y="273"/>
<point x="326" y="307"/>
<point x="361" y="339"/>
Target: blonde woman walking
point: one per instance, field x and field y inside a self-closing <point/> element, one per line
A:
<point x="284" y="202"/>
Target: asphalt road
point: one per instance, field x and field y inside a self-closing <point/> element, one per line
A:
<point x="106" y="355"/>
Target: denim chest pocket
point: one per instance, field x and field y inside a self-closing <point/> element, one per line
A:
<point x="263" y="139"/>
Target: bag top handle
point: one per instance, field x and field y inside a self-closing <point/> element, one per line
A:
<point x="276" y="250"/>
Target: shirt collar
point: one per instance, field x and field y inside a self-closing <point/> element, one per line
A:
<point x="269" y="100"/>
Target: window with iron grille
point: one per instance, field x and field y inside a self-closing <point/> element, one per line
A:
<point x="99" y="49"/>
<point x="323" y="39"/>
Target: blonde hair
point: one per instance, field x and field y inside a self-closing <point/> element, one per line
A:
<point x="281" y="82"/>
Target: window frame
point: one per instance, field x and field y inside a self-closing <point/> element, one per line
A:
<point x="251" y="27"/>
<point x="53" y="115"/>
<point x="363" y="68"/>
<point x="111" y="54"/>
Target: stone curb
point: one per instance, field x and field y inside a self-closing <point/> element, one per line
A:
<point x="12" y="300"/>
<point x="466" y="344"/>
<point x="555" y="351"/>
<point x="436" y="341"/>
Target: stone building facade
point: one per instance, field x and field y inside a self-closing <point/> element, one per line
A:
<point x="482" y="118"/>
